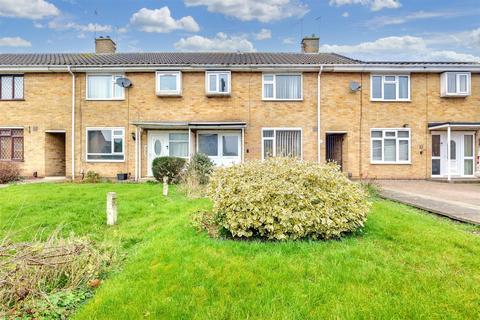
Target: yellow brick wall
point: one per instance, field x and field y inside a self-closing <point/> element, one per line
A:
<point x="47" y="106"/>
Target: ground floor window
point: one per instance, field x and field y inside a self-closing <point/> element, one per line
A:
<point x="178" y="144"/>
<point x="105" y="144"/>
<point x="11" y="144"/>
<point x="390" y="146"/>
<point x="283" y="142"/>
<point x="222" y="147"/>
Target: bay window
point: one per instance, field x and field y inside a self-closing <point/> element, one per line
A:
<point x="11" y="87"/>
<point x="11" y="144"/>
<point x="455" y="84"/>
<point x="282" y="87"/>
<point x="390" y="146"/>
<point x="390" y="87"/>
<point x="281" y="142"/>
<point x="105" y="144"/>
<point x="217" y="82"/>
<point x="104" y="87"/>
<point x="169" y="83"/>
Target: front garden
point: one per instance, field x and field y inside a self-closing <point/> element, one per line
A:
<point x="402" y="264"/>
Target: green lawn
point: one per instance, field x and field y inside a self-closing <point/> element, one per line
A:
<point x="406" y="264"/>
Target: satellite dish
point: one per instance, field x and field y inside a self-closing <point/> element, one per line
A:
<point x="355" y="86"/>
<point x="124" y="82"/>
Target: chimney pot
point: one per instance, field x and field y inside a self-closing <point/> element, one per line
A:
<point x="105" y="45"/>
<point x="310" y="44"/>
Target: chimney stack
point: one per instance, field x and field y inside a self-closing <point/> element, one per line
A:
<point x="310" y="44"/>
<point x="105" y="45"/>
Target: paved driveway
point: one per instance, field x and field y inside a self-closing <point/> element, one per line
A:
<point x="459" y="201"/>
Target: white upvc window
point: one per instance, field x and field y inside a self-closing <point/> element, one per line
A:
<point x="178" y="144"/>
<point x="455" y="84"/>
<point x="104" y="87"/>
<point x="169" y="83"/>
<point x="287" y="86"/>
<point x="217" y="82"/>
<point x="390" y="146"/>
<point x="105" y="144"/>
<point x="281" y="142"/>
<point x="390" y="87"/>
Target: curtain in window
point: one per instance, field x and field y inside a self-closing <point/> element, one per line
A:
<point x="377" y="150"/>
<point x="288" y="87"/>
<point x="403" y="150"/>
<point x="288" y="143"/>
<point x="377" y="87"/>
<point x="178" y="149"/>
<point x="403" y="87"/>
<point x="100" y="87"/>
<point x="451" y="82"/>
<point x="230" y="146"/>
<point x="389" y="148"/>
<point x="463" y="83"/>
<point x="100" y="141"/>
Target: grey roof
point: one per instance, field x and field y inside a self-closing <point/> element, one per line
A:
<point x="172" y="58"/>
<point x="420" y="63"/>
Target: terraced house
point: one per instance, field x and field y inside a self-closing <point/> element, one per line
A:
<point x="66" y="114"/>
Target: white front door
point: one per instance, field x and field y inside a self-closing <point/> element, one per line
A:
<point x="157" y="147"/>
<point x="222" y="147"/>
<point x="461" y="160"/>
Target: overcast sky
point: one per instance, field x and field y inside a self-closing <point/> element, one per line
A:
<point x="362" y="29"/>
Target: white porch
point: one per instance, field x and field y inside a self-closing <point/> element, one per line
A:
<point x="223" y="142"/>
<point x="455" y="150"/>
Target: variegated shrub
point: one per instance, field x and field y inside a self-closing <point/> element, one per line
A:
<point x="284" y="198"/>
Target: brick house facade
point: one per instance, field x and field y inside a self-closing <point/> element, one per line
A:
<point x="272" y="106"/>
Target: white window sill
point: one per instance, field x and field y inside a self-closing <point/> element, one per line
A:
<point x="387" y="100"/>
<point x="105" y="161"/>
<point x="217" y="94"/>
<point x="285" y="100"/>
<point x="116" y="99"/>
<point x="169" y="94"/>
<point x="391" y="162"/>
<point x="455" y="95"/>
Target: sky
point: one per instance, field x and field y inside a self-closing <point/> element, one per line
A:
<point x="421" y="30"/>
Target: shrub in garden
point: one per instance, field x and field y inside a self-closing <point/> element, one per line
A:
<point x="196" y="175"/>
<point x="92" y="177"/>
<point x="9" y="172"/>
<point x="283" y="198"/>
<point x="170" y="167"/>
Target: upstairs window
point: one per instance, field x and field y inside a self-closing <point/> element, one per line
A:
<point x="11" y="144"/>
<point x="390" y="88"/>
<point x="282" y="87"/>
<point x="104" y="87"/>
<point x="169" y="83"/>
<point x="105" y="144"/>
<point x="455" y="84"/>
<point x="217" y="82"/>
<point x="11" y="87"/>
<point x="390" y="146"/>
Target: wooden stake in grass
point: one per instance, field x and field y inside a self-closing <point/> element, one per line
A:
<point x="165" y="186"/>
<point x="111" y="208"/>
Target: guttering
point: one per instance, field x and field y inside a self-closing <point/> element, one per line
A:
<point x="318" y="113"/>
<point x="73" y="122"/>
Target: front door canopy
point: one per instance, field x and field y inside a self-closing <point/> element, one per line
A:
<point x="454" y="126"/>
<point x="223" y="125"/>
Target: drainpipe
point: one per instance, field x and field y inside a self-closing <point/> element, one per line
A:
<point x="318" y="114"/>
<point x="73" y="121"/>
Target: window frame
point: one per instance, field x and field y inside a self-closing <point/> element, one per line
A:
<point x="11" y="143"/>
<point x="113" y="98"/>
<point x="217" y="80"/>
<point x="161" y="92"/>
<point x="180" y="141"/>
<point x="274" y="144"/>
<point x="220" y="134"/>
<point x="397" y="87"/>
<point x="274" y="82"/>
<point x="397" y="145"/>
<point x="112" y="129"/>
<point x="458" y="75"/>
<point x="13" y="86"/>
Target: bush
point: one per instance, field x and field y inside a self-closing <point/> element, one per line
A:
<point x="196" y="175"/>
<point x="9" y="172"/>
<point x="92" y="177"/>
<point x="170" y="167"/>
<point x="283" y="198"/>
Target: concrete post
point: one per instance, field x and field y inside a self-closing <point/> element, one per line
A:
<point x="111" y="208"/>
<point x="165" y="186"/>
